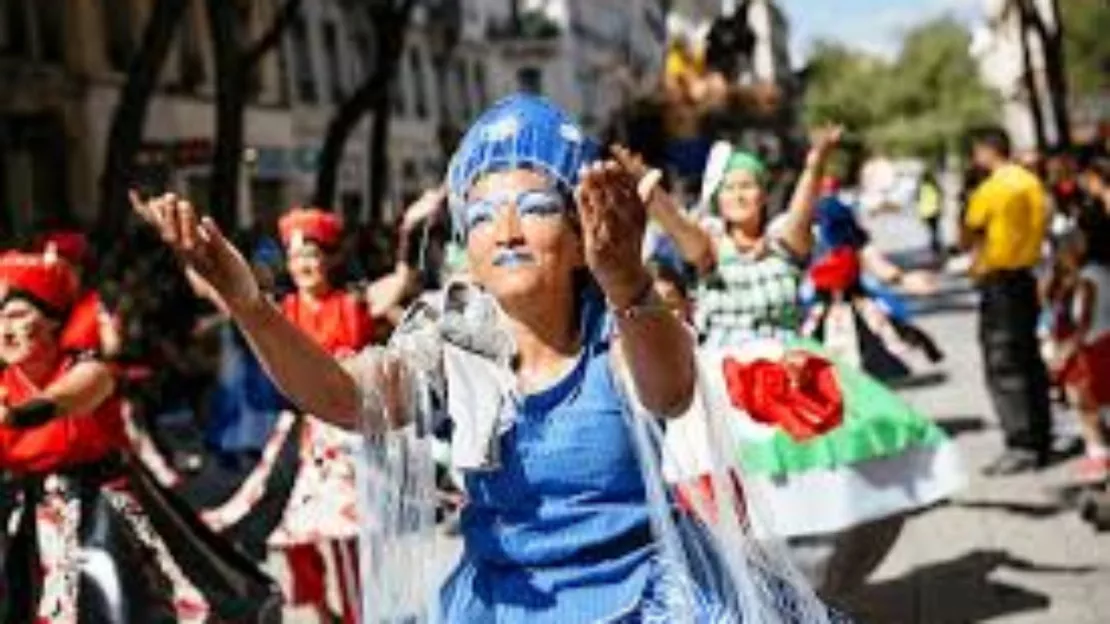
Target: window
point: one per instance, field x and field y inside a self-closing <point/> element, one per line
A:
<point x="420" y="87"/>
<point x="397" y="93"/>
<point x="50" y="14"/>
<point x="192" y="57"/>
<point x="119" y="38"/>
<point x="530" y="80"/>
<point x="13" y="28"/>
<point x="460" y="93"/>
<point x="480" y="83"/>
<point x="363" y="43"/>
<point x="33" y="169"/>
<point x="32" y="30"/>
<point x="335" y="70"/>
<point x="303" y="75"/>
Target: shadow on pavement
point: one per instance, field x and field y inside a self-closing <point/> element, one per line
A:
<point x="956" y="426"/>
<point x="1032" y="511"/>
<point x="925" y="380"/>
<point x="953" y="592"/>
<point x="938" y="306"/>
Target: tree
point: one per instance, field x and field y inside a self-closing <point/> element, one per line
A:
<point x="1051" y="32"/>
<point x="237" y="61"/>
<point x="922" y="102"/>
<point x="126" y="133"/>
<point x="1086" y="47"/>
<point x="388" y="20"/>
<point x="842" y="84"/>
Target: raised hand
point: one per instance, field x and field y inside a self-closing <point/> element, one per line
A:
<point x="429" y="206"/>
<point x="216" y="270"/>
<point x="632" y="162"/>
<point x="824" y="139"/>
<point x="647" y="178"/>
<point x="613" y="219"/>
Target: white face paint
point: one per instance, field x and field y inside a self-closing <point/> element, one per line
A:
<point x="25" y="331"/>
<point x="308" y="266"/>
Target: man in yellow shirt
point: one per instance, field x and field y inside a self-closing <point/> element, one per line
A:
<point x="1005" y="226"/>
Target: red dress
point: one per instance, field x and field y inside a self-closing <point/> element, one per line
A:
<point x="319" y="517"/>
<point x="62" y="442"/>
<point x="338" y="321"/>
<point x="66" y="484"/>
<point x="1089" y="369"/>
<point x="82" y="330"/>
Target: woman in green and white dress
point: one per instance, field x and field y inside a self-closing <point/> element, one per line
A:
<point x="839" y="482"/>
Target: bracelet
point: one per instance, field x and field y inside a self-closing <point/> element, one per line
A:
<point x="645" y="303"/>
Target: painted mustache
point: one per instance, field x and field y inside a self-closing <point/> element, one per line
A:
<point x="513" y="258"/>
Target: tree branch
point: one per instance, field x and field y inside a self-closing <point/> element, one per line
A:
<point x="272" y="36"/>
<point x="126" y="131"/>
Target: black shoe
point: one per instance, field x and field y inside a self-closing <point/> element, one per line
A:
<point x="1012" y="462"/>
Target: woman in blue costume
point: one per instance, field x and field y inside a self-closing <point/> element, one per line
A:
<point x="855" y="324"/>
<point x="552" y="372"/>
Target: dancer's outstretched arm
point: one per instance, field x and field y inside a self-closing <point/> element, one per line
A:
<point x="797" y="232"/>
<point x="307" y="374"/>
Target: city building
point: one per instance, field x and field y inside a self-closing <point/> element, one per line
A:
<point x="64" y="64"/>
<point x="1011" y="57"/>
<point x="590" y="57"/>
<point x="770" y="62"/>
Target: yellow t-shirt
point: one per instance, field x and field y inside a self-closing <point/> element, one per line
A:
<point x="1010" y="208"/>
<point x="928" y="201"/>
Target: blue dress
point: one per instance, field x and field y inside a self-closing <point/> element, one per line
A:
<point x="561" y="531"/>
<point x="245" y="405"/>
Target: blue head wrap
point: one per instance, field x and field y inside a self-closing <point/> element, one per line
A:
<point x="520" y="131"/>
<point x="837" y="224"/>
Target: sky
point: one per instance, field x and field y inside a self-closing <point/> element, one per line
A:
<point x="873" y="25"/>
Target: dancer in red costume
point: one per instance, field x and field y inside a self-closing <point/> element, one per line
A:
<point x="65" y="457"/>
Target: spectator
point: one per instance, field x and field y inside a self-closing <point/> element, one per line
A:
<point x="1094" y="212"/>
<point x="1084" y="358"/>
<point x="930" y="207"/>
<point x="1005" y="226"/>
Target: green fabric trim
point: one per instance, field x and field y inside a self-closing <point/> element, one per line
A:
<point x="877" y="423"/>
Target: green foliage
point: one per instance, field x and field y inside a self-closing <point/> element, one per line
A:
<point x="922" y="102"/>
<point x="1086" y="45"/>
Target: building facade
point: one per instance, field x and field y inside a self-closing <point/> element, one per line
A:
<point x="1008" y="52"/>
<point x="64" y="63"/>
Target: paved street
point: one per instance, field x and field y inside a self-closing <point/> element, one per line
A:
<point x="1005" y="550"/>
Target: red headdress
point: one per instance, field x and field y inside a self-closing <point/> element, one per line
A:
<point x="73" y="246"/>
<point x="310" y="224"/>
<point x="46" y="283"/>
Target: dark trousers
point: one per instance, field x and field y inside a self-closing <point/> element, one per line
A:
<point x="933" y="225"/>
<point x="1016" y="374"/>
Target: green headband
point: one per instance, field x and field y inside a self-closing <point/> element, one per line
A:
<point x="746" y="161"/>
